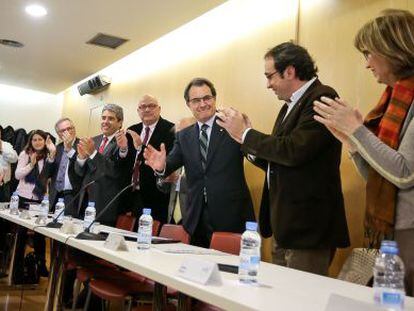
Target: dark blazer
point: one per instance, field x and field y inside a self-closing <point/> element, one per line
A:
<point x="75" y="180"/>
<point x="303" y="206"/>
<point x="152" y="197"/>
<point x="107" y="169"/>
<point x="228" y="197"/>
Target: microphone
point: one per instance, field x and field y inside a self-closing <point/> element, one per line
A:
<point x="54" y="223"/>
<point x="86" y="234"/>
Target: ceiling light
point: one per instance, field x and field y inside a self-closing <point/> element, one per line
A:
<point x="36" y="10"/>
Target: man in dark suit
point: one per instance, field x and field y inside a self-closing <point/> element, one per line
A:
<point x="98" y="159"/>
<point x="152" y="130"/>
<point x="218" y="198"/>
<point x="62" y="184"/>
<point x="302" y="202"/>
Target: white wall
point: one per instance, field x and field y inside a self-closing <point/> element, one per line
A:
<point x="23" y="108"/>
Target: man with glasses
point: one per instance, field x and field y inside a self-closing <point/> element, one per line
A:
<point x="302" y="201"/>
<point x="63" y="184"/>
<point x="218" y="198"/>
<point x="152" y="130"/>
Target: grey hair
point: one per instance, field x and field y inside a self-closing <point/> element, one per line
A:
<point x="62" y="120"/>
<point x="119" y="112"/>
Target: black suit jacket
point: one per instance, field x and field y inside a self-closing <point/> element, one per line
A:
<point x="303" y="206"/>
<point x="152" y="197"/>
<point x="74" y="179"/>
<point x="228" y="197"/>
<point x="108" y="170"/>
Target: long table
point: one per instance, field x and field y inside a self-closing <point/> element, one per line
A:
<point x="279" y="288"/>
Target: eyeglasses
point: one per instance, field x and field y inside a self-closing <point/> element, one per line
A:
<point x="198" y="100"/>
<point x="270" y="75"/>
<point x="69" y="128"/>
<point x="149" y="107"/>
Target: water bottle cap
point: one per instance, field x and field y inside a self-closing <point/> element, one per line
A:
<point x="389" y="249"/>
<point x="15" y="193"/>
<point x="60" y="200"/>
<point x="146" y="211"/>
<point x="251" y="225"/>
<point x="91" y="204"/>
<point x="46" y="198"/>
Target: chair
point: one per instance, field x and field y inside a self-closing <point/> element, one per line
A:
<point x="155" y="227"/>
<point x="358" y="267"/>
<point x="175" y="232"/>
<point x="227" y="242"/>
<point x="126" y="222"/>
<point x="99" y="266"/>
<point x="126" y="285"/>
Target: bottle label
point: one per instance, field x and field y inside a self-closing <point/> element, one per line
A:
<point x="392" y="298"/>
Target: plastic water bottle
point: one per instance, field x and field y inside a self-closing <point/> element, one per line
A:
<point x="389" y="278"/>
<point x="249" y="254"/>
<point x="90" y="214"/>
<point x="59" y="207"/>
<point x="14" y="204"/>
<point x="144" y="230"/>
<point x="43" y="212"/>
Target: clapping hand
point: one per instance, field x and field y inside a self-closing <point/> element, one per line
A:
<point x="234" y="122"/>
<point x="50" y="147"/>
<point x="85" y="148"/>
<point x="68" y="140"/>
<point x="154" y="158"/>
<point x="121" y="139"/>
<point x="136" y="139"/>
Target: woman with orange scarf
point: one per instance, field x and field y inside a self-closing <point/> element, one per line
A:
<point x="382" y="145"/>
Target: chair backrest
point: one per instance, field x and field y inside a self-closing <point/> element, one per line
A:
<point x="155" y="227"/>
<point x="358" y="266"/>
<point x="175" y="232"/>
<point x="227" y="242"/>
<point x="126" y="222"/>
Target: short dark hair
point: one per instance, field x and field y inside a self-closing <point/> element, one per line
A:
<point x="291" y="54"/>
<point x="199" y="82"/>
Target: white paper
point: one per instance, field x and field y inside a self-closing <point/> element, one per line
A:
<point x="200" y="271"/>
<point x="115" y="242"/>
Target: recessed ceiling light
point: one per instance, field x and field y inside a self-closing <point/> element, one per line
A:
<point x="36" y="10"/>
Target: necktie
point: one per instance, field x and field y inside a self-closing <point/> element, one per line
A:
<point x="103" y="144"/>
<point x="177" y="208"/>
<point x="146" y="136"/>
<point x="204" y="145"/>
<point x="60" y="178"/>
<point x="137" y="164"/>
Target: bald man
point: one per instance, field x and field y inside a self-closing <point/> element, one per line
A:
<point x="154" y="130"/>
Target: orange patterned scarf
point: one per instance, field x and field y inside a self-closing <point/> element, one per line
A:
<point x="385" y="121"/>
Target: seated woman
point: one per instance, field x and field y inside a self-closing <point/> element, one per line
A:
<point x="382" y="146"/>
<point x="30" y="172"/>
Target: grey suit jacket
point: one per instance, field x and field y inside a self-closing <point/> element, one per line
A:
<point x="228" y="197"/>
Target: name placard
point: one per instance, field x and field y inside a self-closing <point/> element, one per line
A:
<point x="200" y="271"/>
<point x="115" y="242"/>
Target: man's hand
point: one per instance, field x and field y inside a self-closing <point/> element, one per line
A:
<point x="154" y="158"/>
<point x="136" y="139"/>
<point x="121" y="139"/>
<point x="234" y="122"/>
<point x="68" y="140"/>
<point x="86" y="147"/>
<point x="50" y="147"/>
